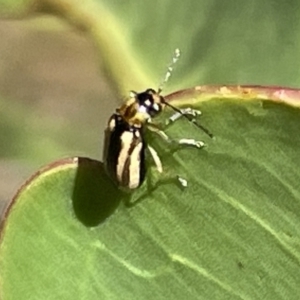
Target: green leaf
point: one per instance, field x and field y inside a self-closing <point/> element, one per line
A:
<point x="231" y="234"/>
<point x="221" y="42"/>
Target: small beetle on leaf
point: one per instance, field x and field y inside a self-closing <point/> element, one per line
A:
<point x="125" y="145"/>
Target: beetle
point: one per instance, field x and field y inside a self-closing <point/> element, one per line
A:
<point x="125" y="145"/>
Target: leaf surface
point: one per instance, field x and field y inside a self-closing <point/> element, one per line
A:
<point x="231" y="234"/>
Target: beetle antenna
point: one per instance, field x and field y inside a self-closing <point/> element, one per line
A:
<point x="190" y="119"/>
<point x="167" y="76"/>
<point x="169" y="70"/>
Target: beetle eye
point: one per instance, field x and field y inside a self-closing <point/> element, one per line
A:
<point x="154" y="109"/>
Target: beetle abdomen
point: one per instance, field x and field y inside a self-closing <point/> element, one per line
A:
<point x="124" y="153"/>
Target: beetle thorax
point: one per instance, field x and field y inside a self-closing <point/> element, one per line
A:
<point x="141" y="107"/>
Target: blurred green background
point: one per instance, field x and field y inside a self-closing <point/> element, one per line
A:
<point x="65" y="65"/>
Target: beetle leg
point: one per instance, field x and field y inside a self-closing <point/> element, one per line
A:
<point x="182" y="142"/>
<point x="177" y="179"/>
<point x="185" y="111"/>
<point x="156" y="159"/>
